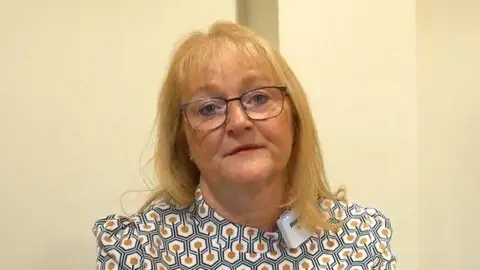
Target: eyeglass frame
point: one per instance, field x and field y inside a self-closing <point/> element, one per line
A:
<point x="282" y="88"/>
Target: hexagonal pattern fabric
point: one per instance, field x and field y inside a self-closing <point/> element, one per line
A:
<point x="166" y="237"/>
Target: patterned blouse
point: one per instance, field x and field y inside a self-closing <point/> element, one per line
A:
<point x="166" y="237"/>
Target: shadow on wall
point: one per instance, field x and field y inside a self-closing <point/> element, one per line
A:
<point x="261" y="16"/>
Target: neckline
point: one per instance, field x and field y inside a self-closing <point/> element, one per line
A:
<point x="227" y="232"/>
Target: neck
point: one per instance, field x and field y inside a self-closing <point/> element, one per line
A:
<point x="258" y="206"/>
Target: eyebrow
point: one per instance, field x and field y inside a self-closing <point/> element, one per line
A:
<point x="208" y="90"/>
<point x="246" y="83"/>
<point x="252" y="78"/>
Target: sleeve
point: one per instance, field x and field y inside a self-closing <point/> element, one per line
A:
<point x="118" y="243"/>
<point x="381" y="234"/>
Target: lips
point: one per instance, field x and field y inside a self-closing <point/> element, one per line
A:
<point x="243" y="148"/>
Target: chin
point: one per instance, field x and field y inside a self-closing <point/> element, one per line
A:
<point x="248" y="172"/>
<point x="247" y="177"/>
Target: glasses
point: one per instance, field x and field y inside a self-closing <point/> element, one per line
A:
<point x="258" y="104"/>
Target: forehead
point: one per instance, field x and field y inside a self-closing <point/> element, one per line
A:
<point x="227" y="63"/>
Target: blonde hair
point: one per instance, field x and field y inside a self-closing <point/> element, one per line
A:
<point x="178" y="177"/>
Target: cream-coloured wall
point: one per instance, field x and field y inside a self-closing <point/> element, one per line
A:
<point x="448" y="72"/>
<point x="395" y="90"/>
<point x="356" y="59"/>
<point x="78" y="83"/>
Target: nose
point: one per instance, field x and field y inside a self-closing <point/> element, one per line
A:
<point x="237" y="120"/>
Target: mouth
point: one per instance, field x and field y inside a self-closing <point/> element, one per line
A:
<point x="244" y="149"/>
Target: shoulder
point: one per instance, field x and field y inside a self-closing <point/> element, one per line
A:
<point x="370" y="226"/>
<point x="127" y="242"/>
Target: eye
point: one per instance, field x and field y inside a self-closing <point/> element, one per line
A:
<point x="209" y="109"/>
<point x="257" y="98"/>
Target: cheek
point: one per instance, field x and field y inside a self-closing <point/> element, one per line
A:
<point x="210" y="144"/>
<point x="203" y="145"/>
<point x="280" y="133"/>
<point x="193" y="141"/>
<point x="285" y="126"/>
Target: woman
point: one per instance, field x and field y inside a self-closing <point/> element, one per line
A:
<point x="241" y="179"/>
